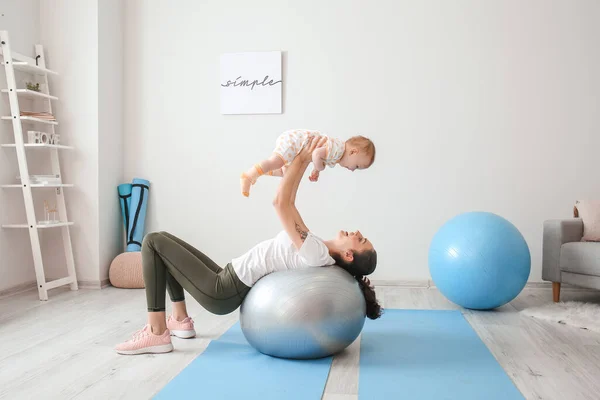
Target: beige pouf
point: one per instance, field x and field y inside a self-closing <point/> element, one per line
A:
<point x="126" y="271"/>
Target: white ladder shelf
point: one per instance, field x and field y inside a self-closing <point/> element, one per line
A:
<point x="12" y="62"/>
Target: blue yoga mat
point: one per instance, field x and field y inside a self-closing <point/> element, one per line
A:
<point x="231" y="369"/>
<point x="125" y="201"/>
<point x="413" y="354"/>
<point x="137" y="214"/>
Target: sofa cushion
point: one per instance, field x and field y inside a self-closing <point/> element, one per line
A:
<point x="589" y="212"/>
<point x="580" y="258"/>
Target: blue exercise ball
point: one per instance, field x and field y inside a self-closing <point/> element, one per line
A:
<point x="479" y="260"/>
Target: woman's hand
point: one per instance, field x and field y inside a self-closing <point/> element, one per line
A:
<point x="305" y="155"/>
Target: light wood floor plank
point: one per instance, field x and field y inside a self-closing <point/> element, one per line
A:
<point x="63" y="348"/>
<point x="343" y="376"/>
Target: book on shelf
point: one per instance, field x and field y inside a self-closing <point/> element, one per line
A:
<point x="39" y="115"/>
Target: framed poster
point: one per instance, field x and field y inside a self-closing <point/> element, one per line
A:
<point x="251" y="83"/>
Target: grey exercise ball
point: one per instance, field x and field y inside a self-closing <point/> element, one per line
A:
<point x="304" y="313"/>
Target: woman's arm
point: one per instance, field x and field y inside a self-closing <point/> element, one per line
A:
<point x="284" y="201"/>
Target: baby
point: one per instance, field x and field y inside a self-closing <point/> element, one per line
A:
<point x="358" y="152"/>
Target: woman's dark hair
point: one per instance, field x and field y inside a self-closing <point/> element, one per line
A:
<point x="362" y="264"/>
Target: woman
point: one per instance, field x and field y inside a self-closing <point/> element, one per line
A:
<point x="171" y="264"/>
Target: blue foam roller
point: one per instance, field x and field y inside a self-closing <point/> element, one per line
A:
<point x="125" y="201"/>
<point x="137" y="214"/>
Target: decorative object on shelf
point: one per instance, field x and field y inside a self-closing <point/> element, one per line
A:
<point x="251" y="83"/>
<point x="34" y="137"/>
<point x="39" y="115"/>
<point x="31" y="86"/>
<point x="37" y="137"/>
<point x="50" y="214"/>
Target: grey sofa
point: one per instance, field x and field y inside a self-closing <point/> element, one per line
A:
<point x="566" y="259"/>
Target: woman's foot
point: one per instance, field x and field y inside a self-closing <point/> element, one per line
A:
<point x="182" y="329"/>
<point x="144" y="341"/>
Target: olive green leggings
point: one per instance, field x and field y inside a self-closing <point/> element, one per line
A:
<point x="171" y="264"/>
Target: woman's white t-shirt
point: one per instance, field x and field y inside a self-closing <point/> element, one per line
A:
<point x="279" y="254"/>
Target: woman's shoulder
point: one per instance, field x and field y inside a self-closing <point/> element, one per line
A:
<point x="314" y="251"/>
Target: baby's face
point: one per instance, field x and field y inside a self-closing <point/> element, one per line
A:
<point x="356" y="161"/>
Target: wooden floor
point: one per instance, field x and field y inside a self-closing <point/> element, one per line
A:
<point x="63" y="348"/>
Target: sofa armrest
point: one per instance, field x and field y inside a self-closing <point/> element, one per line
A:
<point x="556" y="233"/>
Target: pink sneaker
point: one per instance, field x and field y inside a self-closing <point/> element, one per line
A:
<point x="144" y="341"/>
<point x="182" y="329"/>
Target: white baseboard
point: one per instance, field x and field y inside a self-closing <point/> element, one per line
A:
<point x="18" y="289"/>
<point x="424" y="283"/>
<point x="538" y="285"/>
<point x="93" y="284"/>
<point x="429" y="284"/>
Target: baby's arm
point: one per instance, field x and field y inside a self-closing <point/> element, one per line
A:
<point x="318" y="156"/>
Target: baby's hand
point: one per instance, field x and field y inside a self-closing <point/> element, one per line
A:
<point x="314" y="176"/>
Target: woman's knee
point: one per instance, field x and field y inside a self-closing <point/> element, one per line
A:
<point x="151" y="239"/>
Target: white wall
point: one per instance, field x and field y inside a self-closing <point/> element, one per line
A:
<point x="450" y="92"/>
<point x="84" y="40"/>
<point x="21" y="19"/>
<point x="110" y="131"/>
<point x="69" y="33"/>
<point x="472" y="105"/>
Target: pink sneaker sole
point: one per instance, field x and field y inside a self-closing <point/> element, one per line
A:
<point x="163" y="348"/>
<point x="184" y="334"/>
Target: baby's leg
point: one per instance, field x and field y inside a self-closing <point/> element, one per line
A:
<point x="249" y="177"/>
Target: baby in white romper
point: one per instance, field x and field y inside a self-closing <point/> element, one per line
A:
<point x="358" y="152"/>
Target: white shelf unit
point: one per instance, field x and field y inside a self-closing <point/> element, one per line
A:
<point x="39" y="185"/>
<point x="40" y="146"/>
<point x="38" y="226"/>
<point x="28" y="65"/>
<point x="31" y="120"/>
<point x="31" y="94"/>
<point x="13" y="62"/>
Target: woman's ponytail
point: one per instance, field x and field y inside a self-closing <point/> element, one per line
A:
<point x="362" y="264"/>
<point x="374" y="310"/>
